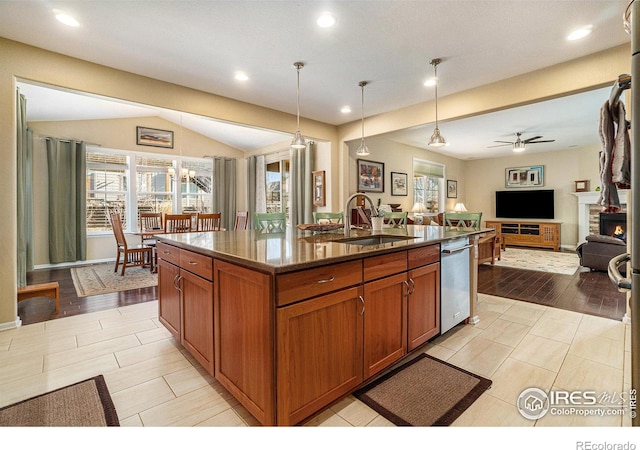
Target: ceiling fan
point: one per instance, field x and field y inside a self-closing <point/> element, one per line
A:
<point x="519" y="144"/>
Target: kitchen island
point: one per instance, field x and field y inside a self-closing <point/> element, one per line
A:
<point x="290" y="322"/>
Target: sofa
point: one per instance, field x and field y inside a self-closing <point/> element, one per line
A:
<point x="598" y="250"/>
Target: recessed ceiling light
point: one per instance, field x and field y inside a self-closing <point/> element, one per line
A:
<point x="326" y="20"/>
<point x="430" y="82"/>
<point x="66" y="18"/>
<point x="580" y="33"/>
<point x="241" y="76"/>
<point x="345" y="110"/>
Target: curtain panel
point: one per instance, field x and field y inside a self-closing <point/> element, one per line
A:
<point x="224" y="190"/>
<point x="66" y="162"/>
<point x="257" y="187"/>
<point x="301" y="194"/>
<point x="24" y="192"/>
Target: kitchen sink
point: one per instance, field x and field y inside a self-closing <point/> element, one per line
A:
<point x="372" y="240"/>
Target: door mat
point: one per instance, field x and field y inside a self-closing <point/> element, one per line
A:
<point x="98" y="279"/>
<point x="83" y="404"/>
<point x="423" y="392"/>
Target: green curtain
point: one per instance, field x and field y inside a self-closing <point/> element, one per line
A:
<point x="67" y="200"/>
<point x="301" y="193"/>
<point x="25" y="193"/>
<point x="224" y="190"/>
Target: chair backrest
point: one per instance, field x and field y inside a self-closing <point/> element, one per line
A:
<point x="118" y="232"/>
<point x="177" y="223"/>
<point x="271" y="222"/>
<point x="150" y="221"/>
<point x="331" y="217"/>
<point x="462" y="220"/>
<point x="242" y="219"/>
<point x="209" y="222"/>
<point x="396" y="219"/>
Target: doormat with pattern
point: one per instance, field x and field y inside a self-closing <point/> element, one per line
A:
<point x="101" y="279"/>
<point x="83" y="404"/>
<point x="423" y="392"/>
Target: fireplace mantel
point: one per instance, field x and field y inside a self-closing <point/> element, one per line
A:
<point x="585" y="199"/>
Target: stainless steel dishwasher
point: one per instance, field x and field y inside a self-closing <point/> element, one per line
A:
<point x="455" y="304"/>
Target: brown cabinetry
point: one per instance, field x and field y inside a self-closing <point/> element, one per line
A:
<point x="423" y="305"/>
<point x="527" y="234"/>
<point x="185" y="300"/>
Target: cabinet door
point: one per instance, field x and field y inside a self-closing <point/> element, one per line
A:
<point x="385" y="338"/>
<point x="423" y="305"/>
<point x="169" y="297"/>
<point x="197" y="318"/>
<point x="319" y="353"/>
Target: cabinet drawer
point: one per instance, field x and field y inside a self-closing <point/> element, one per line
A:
<point x="309" y="283"/>
<point x="196" y="263"/>
<point x="384" y="265"/>
<point x="423" y="256"/>
<point x="169" y="253"/>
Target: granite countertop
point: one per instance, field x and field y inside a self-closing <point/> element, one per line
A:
<point x="296" y="249"/>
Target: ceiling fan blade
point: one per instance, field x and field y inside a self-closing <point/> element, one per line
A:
<point x="501" y="145"/>
<point x="526" y="141"/>
<point x="505" y="142"/>
<point x="540" y="142"/>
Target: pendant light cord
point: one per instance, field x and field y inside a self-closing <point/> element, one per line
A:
<point x="298" y="66"/>
<point x="362" y="85"/>
<point x="435" y="63"/>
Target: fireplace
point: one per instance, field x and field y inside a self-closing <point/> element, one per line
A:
<point x="614" y="224"/>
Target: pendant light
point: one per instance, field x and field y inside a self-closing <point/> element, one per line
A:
<point x="298" y="140"/>
<point x="362" y="150"/>
<point x="437" y="140"/>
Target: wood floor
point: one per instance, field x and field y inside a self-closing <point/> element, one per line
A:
<point x="585" y="292"/>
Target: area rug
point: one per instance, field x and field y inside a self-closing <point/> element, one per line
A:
<point x="101" y="279"/>
<point x="541" y="260"/>
<point x="83" y="404"/>
<point x="423" y="392"/>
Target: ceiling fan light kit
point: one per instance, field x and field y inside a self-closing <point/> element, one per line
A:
<point x="519" y="145"/>
<point x="437" y="140"/>
<point x="298" y="140"/>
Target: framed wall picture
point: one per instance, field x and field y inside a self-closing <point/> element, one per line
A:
<point x="154" y="137"/>
<point x="319" y="188"/>
<point x="452" y="189"/>
<point x="532" y="176"/>
<point x="398" y="183"/>
<point x="370" y="176"/>
<point x="582" y="185"/>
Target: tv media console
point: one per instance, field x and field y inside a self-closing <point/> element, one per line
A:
<point x="527" y="233"/>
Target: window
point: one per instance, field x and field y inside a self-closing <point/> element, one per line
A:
<point x="106" y="188"/>
<point x="428" y="185"/>
<point x="277" y="189"/>
<point x="154" y="190"/>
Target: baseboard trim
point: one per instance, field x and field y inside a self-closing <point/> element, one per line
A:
<point x="11" y="325"/>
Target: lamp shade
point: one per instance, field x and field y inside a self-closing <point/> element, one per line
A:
<point x="418" y="207"/>
<point x="459" y="207"/>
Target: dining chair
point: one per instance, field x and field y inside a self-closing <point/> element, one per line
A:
<point x="396" y="219"/>
<point x="271" y="222"/>
<point x="462" y="220"/>
<point x="331" y="217"/>
<point x="242" y="220"/>
<point x="209" y="222"/>
<point x="150" y="222"/>
<point x="136" y="256"/>
<point x="177" y="223"/>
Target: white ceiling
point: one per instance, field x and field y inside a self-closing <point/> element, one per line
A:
<point x="201" y="43"/>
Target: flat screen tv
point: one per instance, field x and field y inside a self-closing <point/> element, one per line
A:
<point x="527" y="204"/>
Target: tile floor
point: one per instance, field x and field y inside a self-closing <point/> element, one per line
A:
<point x="154" y="382"/>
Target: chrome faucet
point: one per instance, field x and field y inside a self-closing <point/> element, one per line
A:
<point x="347" y="213"/>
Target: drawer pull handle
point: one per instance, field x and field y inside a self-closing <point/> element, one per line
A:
<point x="166" y="252"/>
<point x="362" y="300"/>
<point x="193" y="263"/>
<point x="328" y="280"/>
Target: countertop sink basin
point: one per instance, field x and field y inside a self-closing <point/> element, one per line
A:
<point x="372" y="240"/>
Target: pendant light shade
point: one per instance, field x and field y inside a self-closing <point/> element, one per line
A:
<point x="437" y="140"/>
<point x="362" y="149"/>
<point x="298" y="140"/>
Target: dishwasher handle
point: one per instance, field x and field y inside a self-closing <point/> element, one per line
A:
<point x="449" y="251"/>
<point x="623" y="284"/>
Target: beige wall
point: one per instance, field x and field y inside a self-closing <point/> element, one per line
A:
<point x="561" y="169"/>
<point x="112" y="134"/>
<point x="30" y="63"/>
